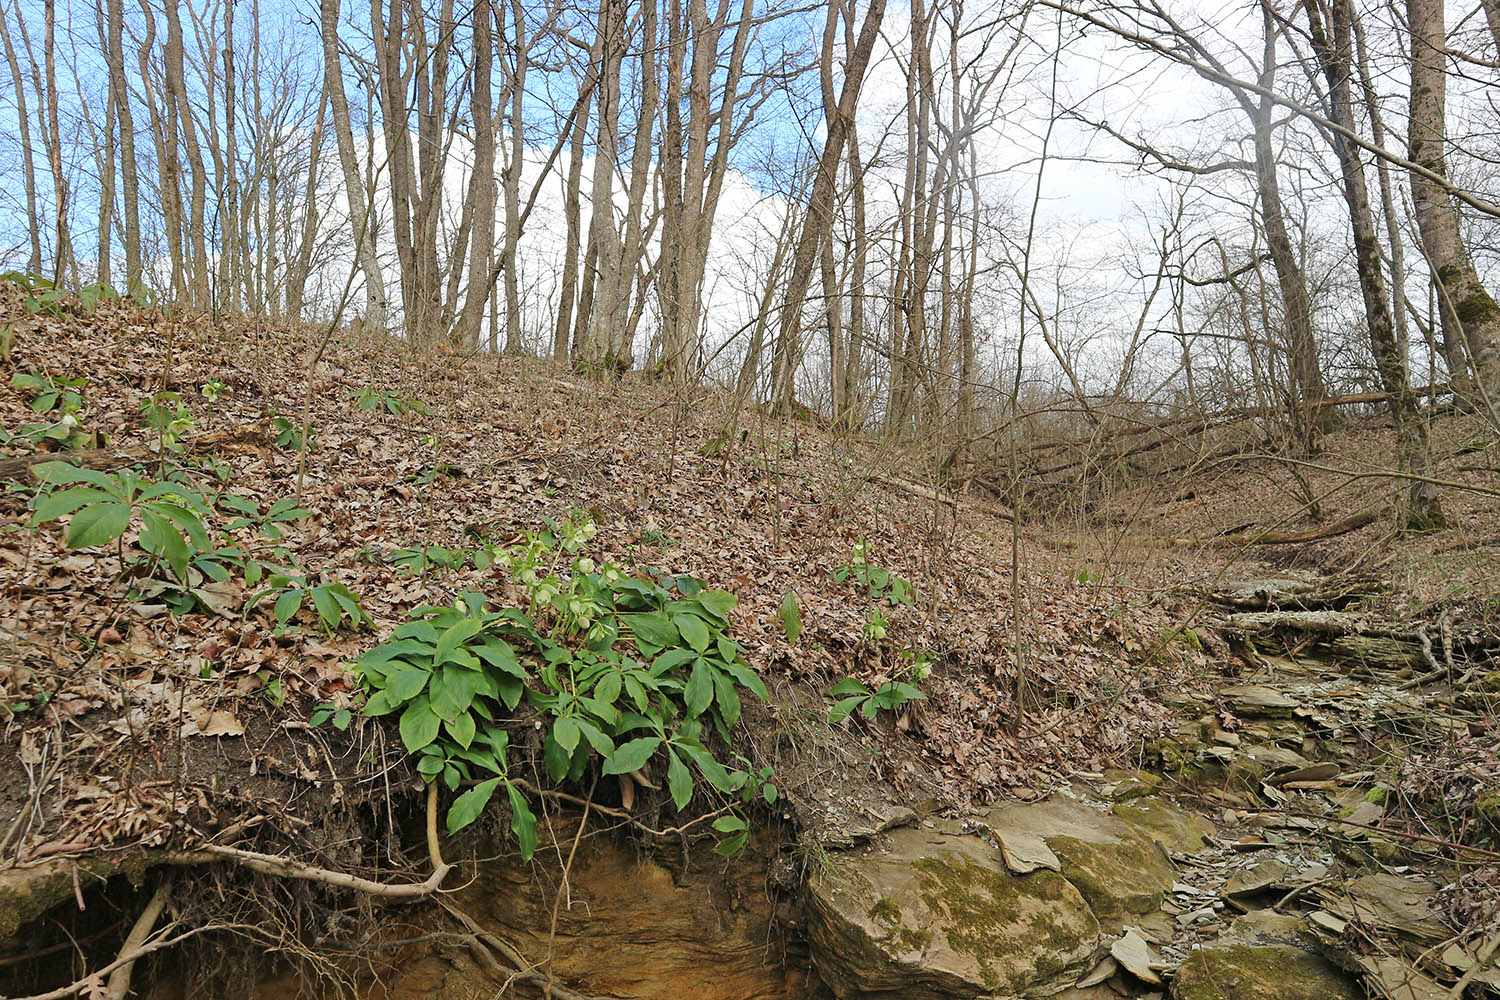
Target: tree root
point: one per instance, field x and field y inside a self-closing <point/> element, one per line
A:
<point x="272" y="864"/>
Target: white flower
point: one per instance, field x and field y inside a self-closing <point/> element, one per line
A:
<point x="586" y="565"/>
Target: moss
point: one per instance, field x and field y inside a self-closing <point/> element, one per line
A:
<point x="1246" y="972"/>
<point x="1487" y="808"/>
<point x="1159" y="822"/>
<point x="886" y="912"/>
<point x="987" y="907"/>
<point x="1117" y="879"/>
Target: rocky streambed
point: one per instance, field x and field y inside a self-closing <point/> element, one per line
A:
<point x="1247" y="863"/>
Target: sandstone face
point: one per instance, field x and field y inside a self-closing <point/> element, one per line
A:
<point x="632" y="925"/>
<point x="935" y="915"/>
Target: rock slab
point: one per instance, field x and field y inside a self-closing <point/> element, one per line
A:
<point x="935" y="915"/>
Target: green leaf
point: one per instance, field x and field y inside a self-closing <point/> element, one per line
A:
<point x="693" y="630"/>
<point x="328" y="608"/>
<point x="565" y="732"/>
<point x="653" y="629"/>
<point x="718" y="602"/>
<point x="522" y="822"/>
<point x="452" y="690"/>
<point x="747" y="678"/>
<point x="287" y="605"/>
<point x="419" y="725"/>
<point x="729" y="824"/>
<point x="379" y="703"/>
<point x="699" y="693"/>
<point x="679" y="780"/>
<point x="848" y="686"/>
<point x="728" y="700"/>
<point x="162" y="539"/>
<point x="499" y="654"/>
<point x="791" y="617"/>
<point x="59" y="504"/>
<point x="840" y="712"/>
<point x="768" y="792"/>
<point x="98" y="524"/>
<point x="632" y="756"/>
<point x="403" y="683"/>
<point x="461" y="728"/>
<point x="467" y="807"/>
<point x="455" y="637"/>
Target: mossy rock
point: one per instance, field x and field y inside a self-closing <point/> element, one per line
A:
<point x="937" y="916"/>
<point x="29" y="893"/>
<point x="1264" y="972"/>
<point x="1121" y="874"/>
<point x="1158" y="821"/>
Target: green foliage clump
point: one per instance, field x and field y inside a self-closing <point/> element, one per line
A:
<point x="59" y="398"/>
<point x="620" y="669"/>
<point x="397" y="404"/>
<point x="854" y="696"/>
<point x="877" y="581"/>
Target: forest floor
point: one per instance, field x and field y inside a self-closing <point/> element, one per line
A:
<point x="130" y="726"/>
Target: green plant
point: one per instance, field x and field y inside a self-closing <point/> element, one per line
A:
<point x="50" y="393"/>
<point x="60" y="396"/>
<point x="395" y="403"/>
<point x="169" y="416"/>
<point x="327" y="711"/>
<point x="791" y="617"/>
<point x="876" y="625"/>
<point x="170" y="514"/>
<point x="877" y="581"/>
<point x="289" y="435"/>
<point x="418" y="561"/>
<point x="212" y="390"/>
<point x="619" y="668"/>
<point x="267" y="523"/>
<point x="332" y="602"/>
<point x="853" y="695"/>
<point x="38" y="293"/>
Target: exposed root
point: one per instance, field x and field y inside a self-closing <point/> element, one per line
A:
<point x="118" y="987"/>
<point x="271" y="864"/>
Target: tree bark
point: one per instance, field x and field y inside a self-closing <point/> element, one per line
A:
<point x="1422" y="510"/>
<point x="361" y="214"/>
<point x="1471" y="318"/>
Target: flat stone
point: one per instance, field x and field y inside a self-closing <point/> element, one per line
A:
<point x="1132" y="952"/>
<point x="1395" y="978"/>
<point x="1025" y="852"/>
<point x="937" y="916"/>
<point x="1258" y="701"/>
<point x="1312" y="772"/>
<point x="1259" y="878"/>
<point x="1391" y="903"/>
<point x="1276" y="758"/>
<point x="1236" y="971"/>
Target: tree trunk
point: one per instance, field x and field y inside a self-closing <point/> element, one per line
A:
<point x="820" y="207"/>
<point x="1422" y="510"/>
<point x="361" y="214"/>
<point x="1471" y="319"/>
<point x="28" y="168"/>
